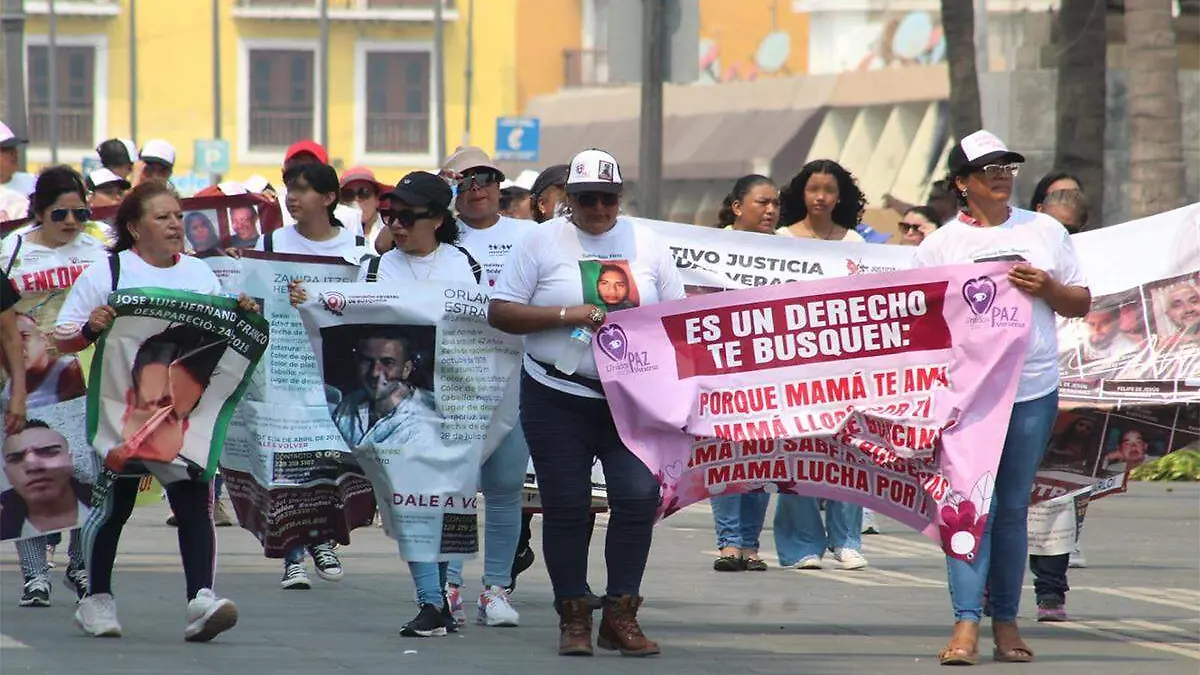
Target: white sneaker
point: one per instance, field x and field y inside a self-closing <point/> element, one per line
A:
<point x="209" y="616"/>
<point x="809" y="562"/>
<point x="96" y="615"/>
<point x="850" y="559"/>
<point x="495" y="609"/>
<point x="1077" y="560"/>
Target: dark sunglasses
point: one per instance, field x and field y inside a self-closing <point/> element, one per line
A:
<point x="476" y="180"/>
<point x="406" y="218"/>
<point x="363" y="192"/>
<point x="910" y="227"/>
<point x="82" y="215"/>
<point x="590" y="199"/>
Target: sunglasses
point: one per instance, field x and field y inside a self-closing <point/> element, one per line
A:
<point x="405" y="218"/>
<point x="18" y="456"/>
<point x="476" y="180"/>
<point x="910" y="227"/>
<point x="1001" y="170"/>
<point x="363" y="192"/>
<point x="81" y="215"/>
<point x="590" y="199"/>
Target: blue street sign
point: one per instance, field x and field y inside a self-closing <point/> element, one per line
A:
<point x="90" y="164"/>
<point x="212" y="156"/>
<point x="518" y="139"/>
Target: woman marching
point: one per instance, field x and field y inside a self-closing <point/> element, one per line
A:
<point x="418" y="217"/>
<point x="545" y="295"/>
<point x="58" y="247"/>
<point x="148" y="253"/>
<point x="982" y="171"/>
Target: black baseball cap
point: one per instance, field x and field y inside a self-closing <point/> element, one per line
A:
<point x="978" y="150"/>
<point x="421" y="188"/>
<point x="551" y="176"/>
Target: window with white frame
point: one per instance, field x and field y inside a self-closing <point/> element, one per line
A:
<point x="282" y="97"/>
<point x="75" y="69"/>
<point x="398" y="95"/>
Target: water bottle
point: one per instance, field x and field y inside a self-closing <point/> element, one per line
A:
<point x="579" y="344"/>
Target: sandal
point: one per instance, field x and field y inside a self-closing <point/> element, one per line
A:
<point x="754" y="564"/>
<point x="963" y="649"/>
<point x="729" y="563"/>
<point x="1010" y="648"/>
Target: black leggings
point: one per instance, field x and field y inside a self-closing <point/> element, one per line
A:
<point x="113" y="499"/>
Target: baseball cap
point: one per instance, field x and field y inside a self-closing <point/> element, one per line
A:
<point x="256" y="184"/>
<point x="470" y="157"/>
<point x="117" y="152"/>
<point x="8" y="139"/>
<point x="594" y="171"/>
<point x="551" y="176"/>
<point x="362" y="173"/>
<point x="101" y="178"/>
<point x="978" y="150"/>
<point x="158" y="151"/>
<point x="311" y="147"/>
<point x="421" y="188"/>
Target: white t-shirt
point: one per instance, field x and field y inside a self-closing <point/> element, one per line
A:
<point x="22" y="183"/>
<point x="1035" y="238"/>
<point x="446" y="263"/>
<point x="92" y="288"/>
<point x="491" y="246"/>
<point x="63" y="264"/>
<point x="289" y="240"/>
<point x="850" y="236"/>
<point x="350" y="217"/>
<point x="546" y="269"/>
<point x="13" y="205"/>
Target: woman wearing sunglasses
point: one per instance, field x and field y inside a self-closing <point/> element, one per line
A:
<point x="548" y="293"/>
<point x="1045" y="266"/>
<point x="43" y="264"/>
<point x="148" y="253"/>
<point x="916" y="223"/>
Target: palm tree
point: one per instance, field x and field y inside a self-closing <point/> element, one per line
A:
<point x="1082" y="90"/>
<point x="958" y="24"/>
<point x="1156" y="168"/>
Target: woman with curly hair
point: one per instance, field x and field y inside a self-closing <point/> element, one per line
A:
<point x="822" y="202"/>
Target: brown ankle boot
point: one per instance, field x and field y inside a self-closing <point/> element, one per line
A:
<point x="574" y="628"/>
<point x="619" y="629"/>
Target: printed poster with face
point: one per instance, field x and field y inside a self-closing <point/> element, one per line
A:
<point x="413" y="383"/>
<point x="168" y="374"/>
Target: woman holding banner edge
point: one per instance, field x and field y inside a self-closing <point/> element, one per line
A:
<point x="541" y="294"/>
<point x="148" y="253"/>
<point x="982" y="171"/>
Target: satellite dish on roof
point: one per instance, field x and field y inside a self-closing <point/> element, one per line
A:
<point x="773" y="52"/>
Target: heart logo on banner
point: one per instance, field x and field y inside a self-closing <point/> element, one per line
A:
<point x="979" y="294"/>
<point x="613" y="342"/>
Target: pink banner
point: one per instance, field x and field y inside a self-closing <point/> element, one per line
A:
<point x="892" y="391"/>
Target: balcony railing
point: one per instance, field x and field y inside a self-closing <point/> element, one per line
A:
<point x="342" y="10"/>
<point x="278" y="128"/>
<point x="585" y="67"/>
<point x="99" y="8"/>
<point x="75" y="126"/>
<point x="398" y="133"/>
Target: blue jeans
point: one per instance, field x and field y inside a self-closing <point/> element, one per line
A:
<point x="999" y="563"/>
<point x="739" y="519"/>
<point x="501" y="479"/>
<point x="566" y="435"/>
<point x="430" y="580"/>
<point x="799" y="531"/>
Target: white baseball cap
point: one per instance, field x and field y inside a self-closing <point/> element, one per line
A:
<point x="594" y="171"/>
<point x="8" y="139"/>
<point x="158" y="151"/>
<point x="103" y="177"/>
<point x="256" y="184"/>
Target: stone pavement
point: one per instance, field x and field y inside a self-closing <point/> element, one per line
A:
<point x="1137" y="609"/>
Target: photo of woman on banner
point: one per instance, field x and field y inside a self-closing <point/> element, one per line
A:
<point x="200" y="231"/>
<point x="386" y="406"/>
<point x="171" y="371"/>
<point x="1074" y="445"/>
<point x="40" y="492"/>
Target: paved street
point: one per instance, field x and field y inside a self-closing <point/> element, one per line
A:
<point x="1138" y="609"/>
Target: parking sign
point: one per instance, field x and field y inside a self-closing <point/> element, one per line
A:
<point x="212" y="156"/>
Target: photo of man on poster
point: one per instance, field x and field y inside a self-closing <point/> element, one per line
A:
<point x="43" y="494"/>
<point x="387" y="408"/>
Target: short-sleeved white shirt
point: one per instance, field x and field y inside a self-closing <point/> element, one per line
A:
<point x="491" y="245"/>
<point x="446" y="263"/>
<point x="545" y="270"/>
<point x="92" y="288"/>
<point x="1034" y="238"/>
<point x="289" y="240"/>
